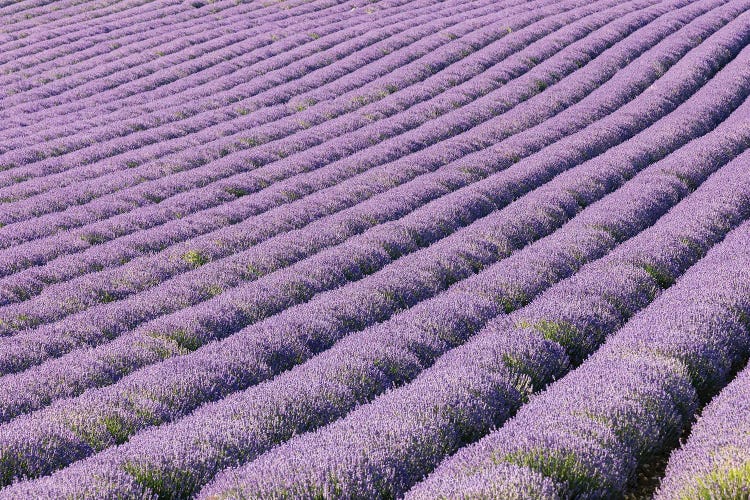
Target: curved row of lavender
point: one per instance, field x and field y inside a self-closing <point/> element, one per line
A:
<point x="590" y="432"/>
<point x="691" y="118"/>
<point x="256" y="180"/>
<point x="715" y="460"/>
<point x="155" y="215"/>
<point x="106" y="353"/>
<point x="317" y="248"/>
<point x="165" y="461"/>
<point x="27" y="342"/>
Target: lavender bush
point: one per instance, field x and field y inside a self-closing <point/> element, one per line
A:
<point x="373" y="248"/>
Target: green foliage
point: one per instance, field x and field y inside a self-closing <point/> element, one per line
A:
<point x="558" y="465"/>
<point x="105" y="297"/>
<point x="662" y="279"/>
<point x="93" y="238"/>
<point x="195" y="258"/>
<point x="235" y="191"/>
<point x="727" y="482"/>
<point x="249" y="141"/>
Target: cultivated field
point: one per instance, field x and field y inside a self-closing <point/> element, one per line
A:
<point x="374" y="249"/>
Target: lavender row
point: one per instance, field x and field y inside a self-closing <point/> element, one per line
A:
<point x="82" y="36"/>
<point x="138" y="122"/>
<point x="50" y="50"/>
<point x="340" y="7"/>
<point x="139" y="28"/>
<point x="189" y="224"/>
<point x="23" y="29"/>
<point x="79" y="239"/>
<point x="217" y="151"/>
<point x="295" y="27"/>
<point x="300" y="39"/>
<point x="228" y="117"/>
<point x="328" y="316"/>
<point x="37" y="8"/>
<point x="479" y="385"/>
<point x="365" y="364"/>
<point x="29" y="17"/>
<point x="315" y="322"/>
<point x="108" y="79"/>
<point x="46" y="79"/>
<point x="590" y="433"/>
<point x="223" y="127"/>
<point x="362" y="158"/>
<point x="713" y="462"/>
<point x="149" y="82"/>
<point x="37" y="35"/>
<point x="337" y="7"/>
<point x="542" y="169"/>
<point x="133" y="176"/>
<point x="289" y="28"/>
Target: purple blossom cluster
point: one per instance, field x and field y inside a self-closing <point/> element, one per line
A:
<point x="374" y="248"/>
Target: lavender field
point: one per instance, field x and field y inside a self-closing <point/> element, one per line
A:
<point x="375" y="249"/>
